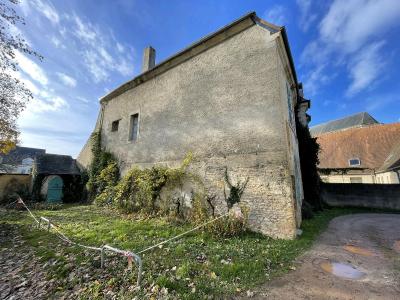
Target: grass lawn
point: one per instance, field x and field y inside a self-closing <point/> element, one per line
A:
<point x="195" y="267"/>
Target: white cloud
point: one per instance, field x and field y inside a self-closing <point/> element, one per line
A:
<point x="377" y="102"/>
<point x="350" y="35"/>
<point x="276" y="15"/>
<point x="82" y="99"/>
<point x="107" y="57"/>
<point x="120" y="48"/>
<point x="44" y="7"/>
<point x="102" y="53"/>
<point x="366" y="67"/>
<point x="93" y="55"/>
<point x="67" y="80"/>
<point x="95" y="66"/>
<point x="124" y="67"/>
<point x="31" y="68"/>
<point x="37" y="105"/>
<point x="349" y="24"/>
<point x="316" y="78"/>
<point x="84" y="30"/>
<point x="307" y="16"/>
<point x="55" y="41"/>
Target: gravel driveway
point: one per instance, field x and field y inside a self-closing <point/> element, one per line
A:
<point x="357" y="257"/>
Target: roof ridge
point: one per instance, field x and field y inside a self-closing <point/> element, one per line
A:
<point x="360" y="127"/>
<point x="339" y="119"/>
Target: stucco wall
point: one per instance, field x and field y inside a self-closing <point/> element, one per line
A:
<point x="390" y="177"/>
<point x="84" y="158"/>
<point x="225" y="105"/>
<point x="346" y="178"/>
<point x="381" y="178"/>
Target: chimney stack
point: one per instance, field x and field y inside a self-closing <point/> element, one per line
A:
<point x="149" y="59"/>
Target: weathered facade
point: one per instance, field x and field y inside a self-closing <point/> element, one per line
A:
<point x="230" y="99"/>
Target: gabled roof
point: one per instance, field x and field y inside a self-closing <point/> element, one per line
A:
<point x="200" y="46"/>
<point x="15" y="156"/>
<point x="358" y="120"/>
<point x="373" y="145"/>
<point x="53" y="164"/>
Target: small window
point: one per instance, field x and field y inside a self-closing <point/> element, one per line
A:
<point x="134" y="126"/>
<point x="354" y="162"/>
<point x="114" y="125"/>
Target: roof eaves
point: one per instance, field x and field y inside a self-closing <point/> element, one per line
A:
<point x="289" y="53"/>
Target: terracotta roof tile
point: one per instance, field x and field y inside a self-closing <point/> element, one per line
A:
<point x="372" y="145"/>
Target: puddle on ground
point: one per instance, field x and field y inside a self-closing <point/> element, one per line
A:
<point x="359" y="250"/>
<point x="341" y="270"/>
<point x="396" y="246"/>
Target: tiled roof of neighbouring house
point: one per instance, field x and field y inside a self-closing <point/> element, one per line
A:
<point x="357" y="120"/>
<point x="373" y="145"/>
<point x="56" y="164"/>
<point x="393" y="159"/>
<point x="15" y="156"/>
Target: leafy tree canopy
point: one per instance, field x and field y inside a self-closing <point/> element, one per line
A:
<point x="13" y="93"/>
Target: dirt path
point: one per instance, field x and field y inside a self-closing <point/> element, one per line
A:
<point x="21" y="274"/>
<point x="369" y="247"/>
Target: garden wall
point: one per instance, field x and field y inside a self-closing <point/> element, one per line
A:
<point x="384" y="196"/>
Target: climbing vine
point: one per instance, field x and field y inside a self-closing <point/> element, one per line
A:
<point x="103" y="172"/>
<point x="235" y="191"/>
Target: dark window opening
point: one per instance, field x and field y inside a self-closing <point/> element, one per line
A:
<point x="134" y="126"/>
<point x="114" y="125"/>
<point x="354" y="162"/>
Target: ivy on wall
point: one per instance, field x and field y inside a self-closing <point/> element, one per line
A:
<point x="103" y="171"/>
<point x="139" y="191"/>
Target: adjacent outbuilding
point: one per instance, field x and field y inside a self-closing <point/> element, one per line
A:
<point x="56" y="178"/>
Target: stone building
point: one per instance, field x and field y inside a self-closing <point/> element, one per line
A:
<point x="231" y="100"/>
<point x="19" y="160"/>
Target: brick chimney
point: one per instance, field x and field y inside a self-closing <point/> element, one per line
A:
<point x="149" y="59"/>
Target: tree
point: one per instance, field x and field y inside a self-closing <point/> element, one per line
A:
<point x="14" y="95"/>
<point x="308" y="151"/>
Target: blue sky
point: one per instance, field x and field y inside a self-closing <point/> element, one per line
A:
<point x="346" y="53"/>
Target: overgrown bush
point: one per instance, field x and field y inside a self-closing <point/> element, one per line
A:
<point x="139" y="191"/>
<point x="103" y="172"/>
<point x="13" y="190"/>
